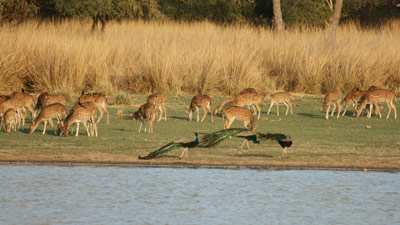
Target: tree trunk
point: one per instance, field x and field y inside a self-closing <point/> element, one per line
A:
<point x="278" y="22"/>
<point x="334" y="21"/>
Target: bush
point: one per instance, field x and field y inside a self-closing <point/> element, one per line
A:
<point x="123" y="98"/>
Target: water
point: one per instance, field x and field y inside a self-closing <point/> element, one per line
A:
<point x="114" y="195"/>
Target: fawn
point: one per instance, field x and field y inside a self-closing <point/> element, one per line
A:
<point x="203" y="101"/>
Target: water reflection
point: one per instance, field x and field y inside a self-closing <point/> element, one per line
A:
<point x="113" y="195"/>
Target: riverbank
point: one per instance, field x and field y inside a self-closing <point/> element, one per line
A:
<point x="346" y="142"/>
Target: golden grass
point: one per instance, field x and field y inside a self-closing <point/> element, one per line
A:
<point x="177" y="58"/>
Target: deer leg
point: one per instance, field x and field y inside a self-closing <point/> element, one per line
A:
<point x="228" y="123"/>
<point x="205" y="113"/>
<point x="327" y="112"/>
<point x="394" y="109"/>
<point x="257" y="109"/>
<point x="338" y="110"/>
<point x="77" y="129"/>
<point x="86" y="124"/>
<point x="165" y="112"/>
<point x="370" y="110"/>
<point x="44" y="129"/>
<point x="287" y="108"/>
<point x="197" y="112"/>
<point x="209" y="109"/>
<point x="108" y="116"/>
<point x="390" y="109"/>
<point x="277" y="108"/>
<point x="272" y="104"/>
<point x="345" y="109"/>
<point x="333" y="110"/>
<point x="101" y="114"/>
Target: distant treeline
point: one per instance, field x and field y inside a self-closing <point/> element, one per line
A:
<point x="295" y="12"/>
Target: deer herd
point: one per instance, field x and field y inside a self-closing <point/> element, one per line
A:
<point x="13" y="108"/>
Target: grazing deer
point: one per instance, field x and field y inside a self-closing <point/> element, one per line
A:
<point x="9" y="120"/>
<point x="352" y="98"/>
<point x="17" y="104"/>
<point x="145" y="112"/>
<point x="46" y="99"/>
<point x="99" y="99"/>
<point x="373" y="98"/>
<point x="203" y="101"/>
<point x="240" y="113"/>
<point x="85" y="113"/>
<point x="47" y="114"/>
<point x="334" y="99"/>
<point x="27" y="99"/>
<point x="159" y="100"/>
<point x="278" y="98"/>
<point x="249" y="98"/>
<point x="225" y="103"/>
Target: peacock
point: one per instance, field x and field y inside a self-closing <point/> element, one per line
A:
<point x="185" y="143"/>
<point x="215" y="138"/>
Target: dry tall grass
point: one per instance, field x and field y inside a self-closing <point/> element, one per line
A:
<point x="194" y="57"/>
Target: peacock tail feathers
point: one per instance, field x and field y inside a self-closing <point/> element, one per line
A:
<point x="215" y="138"/>
<point x="164" y="149"/>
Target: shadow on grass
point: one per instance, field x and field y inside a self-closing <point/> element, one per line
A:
<point x="310" y="115"/>
<point x="179" y="118"/>
<point x="121" y="129"/>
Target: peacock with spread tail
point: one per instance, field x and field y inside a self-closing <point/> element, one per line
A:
<point x="185" y="143"/>
<point x="215" y="138"/>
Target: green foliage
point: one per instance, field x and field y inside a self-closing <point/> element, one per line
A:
<point x="16" y="10"/>
<point x="295" y="12"/>
<point x="213" y="10"/>
<point x="317" y="12"/>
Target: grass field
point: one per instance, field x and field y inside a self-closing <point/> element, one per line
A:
<point x="189" y="58"/>
<point x="344" y="142"/>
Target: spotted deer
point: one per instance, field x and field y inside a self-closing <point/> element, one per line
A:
<point x="28" y="102"/>
<point x="85" y="113"/>
<point x="145" y="112"/>
<point x="46" y="99"/>
<point x="352" y="98"/>
<point x="99" y="99"/>
<point x="47" y="114"/>
<point x="249" y="98"/>
<point x="279" y="97"/>
<point x="373" y="98"/>
<point x="160" y="101"/>
<point x="239" y="113"/>
<point x="17" y="104"/>
<point x="10" y="120"/>
<point x="203" y="101"/>
<point x="224" y="104"/>
<point x="332" y="98"/>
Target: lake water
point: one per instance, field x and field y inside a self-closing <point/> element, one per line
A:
<point x="117" y="195"/>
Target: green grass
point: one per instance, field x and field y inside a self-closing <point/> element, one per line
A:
<point x="317" y="142"/>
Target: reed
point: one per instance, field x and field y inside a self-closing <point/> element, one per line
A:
<point x="200" y="57"/>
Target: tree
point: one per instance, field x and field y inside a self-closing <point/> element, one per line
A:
<point x="334" y="21"/>
<point x="278" y="22"/>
